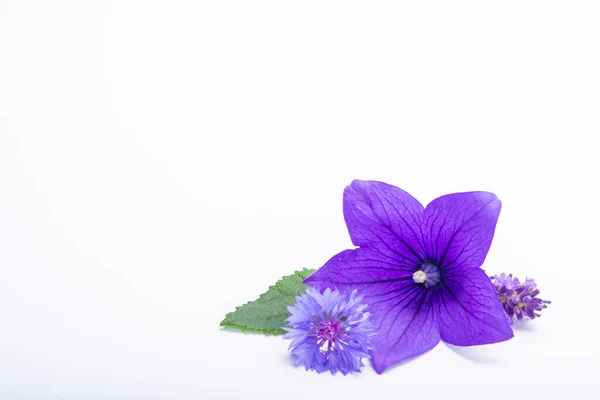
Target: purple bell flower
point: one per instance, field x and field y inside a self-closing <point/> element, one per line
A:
<point x="419" y="269"/>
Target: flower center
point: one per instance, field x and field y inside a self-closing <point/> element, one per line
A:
<point x="329" y="330"/>
<point x="429" y="275"/>
<point x="329" y="333"/>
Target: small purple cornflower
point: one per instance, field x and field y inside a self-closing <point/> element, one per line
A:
<point x="519" y="299"/>
<point x="330" y="331"/>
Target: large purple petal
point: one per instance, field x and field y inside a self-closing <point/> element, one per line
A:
<point x="360" y="269"/>
<point x="459" y="228"/>
<point x="386" y="220"/>
<point x="406" y="326"/>
<point x="402" y="312"/>
<point x="469" y="310"/>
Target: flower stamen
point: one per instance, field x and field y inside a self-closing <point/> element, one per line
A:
<point x="419" y="276"/>
<point x="429" y="275"/>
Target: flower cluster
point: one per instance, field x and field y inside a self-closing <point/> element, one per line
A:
<point x="519" y="298"/>
<point x="330" y="331"/>
<point x="418" y="268"/>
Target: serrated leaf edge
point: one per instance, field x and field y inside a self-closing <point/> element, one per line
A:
<point x="246" y="329"/>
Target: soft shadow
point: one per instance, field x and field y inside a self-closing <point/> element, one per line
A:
<point x="478" y="354"/>
<point x="233" y="329"/>
<point x="402" y="363"/>
<point x="524" y="326"/>
<point x="287" y="359"/>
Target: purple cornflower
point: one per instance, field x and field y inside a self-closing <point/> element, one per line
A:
<point x="519" y="299"/>
<point x="419" y="269"/>
<point x="330" y="331"/>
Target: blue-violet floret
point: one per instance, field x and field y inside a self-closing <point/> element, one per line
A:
<point x="330" y="331"/>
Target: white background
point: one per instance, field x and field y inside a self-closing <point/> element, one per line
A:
<point x="163" y="162"/>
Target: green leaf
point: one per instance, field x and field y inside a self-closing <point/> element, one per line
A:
<point x="268" y="313"/>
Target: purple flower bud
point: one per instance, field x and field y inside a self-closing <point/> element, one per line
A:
<point x="519" y="299"/>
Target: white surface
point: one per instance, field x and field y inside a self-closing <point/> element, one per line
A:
<point x="163" y="162"/>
